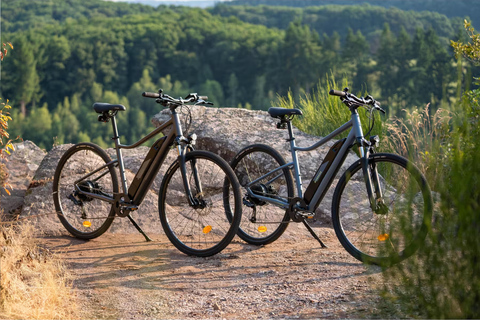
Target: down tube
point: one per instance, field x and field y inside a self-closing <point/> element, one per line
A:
<point x="332" y="171"/>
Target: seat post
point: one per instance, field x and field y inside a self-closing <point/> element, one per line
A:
<point x="293" y="151"/>
<point x="116" y="139"/>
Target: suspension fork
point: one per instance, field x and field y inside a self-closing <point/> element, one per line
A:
<point x="194" y="202"/>
<point x="193" y="165"/>
<point x="372" y="181"/>
<point x="367" y="177"/>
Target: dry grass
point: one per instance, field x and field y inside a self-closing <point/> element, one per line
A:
<point x="423" y="138"/>
<point x="34" y="283"/>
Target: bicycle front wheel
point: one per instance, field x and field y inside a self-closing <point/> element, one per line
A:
<point x="202" y="229"/>
<point x="83" y="216"/>
<point x="398" y="227"/>
<point x="262" y="222"/>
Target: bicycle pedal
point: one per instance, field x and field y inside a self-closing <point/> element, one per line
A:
<point x="131" y="208"/>
<point x="307" y="215"/>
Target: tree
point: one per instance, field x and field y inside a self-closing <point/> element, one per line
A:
<point x="469" y="50"/>
<point x="232" y="91"/>
<point x="301" y="50"/>
<point x="25" y="85"/>
<point x="39" y="124"/>
<point x="386" y="64"/>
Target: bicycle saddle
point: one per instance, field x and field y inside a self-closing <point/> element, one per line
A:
<point x="101" y="107"/>
<point x="282" y="112"/>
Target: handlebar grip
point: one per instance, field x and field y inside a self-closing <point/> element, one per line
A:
<point x="203" y="98"/>
<point x="151" y="95"/>
<point x="337" y="93"/>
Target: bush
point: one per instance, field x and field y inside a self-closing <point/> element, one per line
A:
<point x="442" y="279"/>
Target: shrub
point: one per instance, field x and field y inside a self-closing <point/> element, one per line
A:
<point x="442" y="279"/>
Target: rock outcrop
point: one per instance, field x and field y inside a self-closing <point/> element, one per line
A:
<point x="21" y="165"/>
<point x="225" y="131"/>
<point x="221" y="130"/>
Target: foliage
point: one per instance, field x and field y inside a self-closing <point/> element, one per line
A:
<point x="442" y="279"/>
<point x="5" y="141"/>
<point x="470" y="50"/>
<point x="112" y="52"/>
<point x="4" y="50"/>
<point x="424" y="139"/>
<point x="447" y="7"/>
<point x="323" y="113"/>
<point x="335" y="17"/>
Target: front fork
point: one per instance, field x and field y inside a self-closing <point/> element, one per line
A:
<point x="372" y="181"/>
<point x="185" y="145"/>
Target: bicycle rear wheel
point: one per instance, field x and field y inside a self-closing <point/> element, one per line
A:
<point x="395" y="232"/>
<point x="262" y="223"/>
<point x="83" y="216"/>
<point x="202" y="230"/>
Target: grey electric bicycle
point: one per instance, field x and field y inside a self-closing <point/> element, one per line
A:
<point x="199" y="198"/>
<point x="381" y="206"/>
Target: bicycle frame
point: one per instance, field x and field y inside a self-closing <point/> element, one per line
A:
<point x="150" y="166"/>
<point x="355" y="135"/>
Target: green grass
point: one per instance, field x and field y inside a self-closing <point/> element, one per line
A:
<point x="323" y="113"/>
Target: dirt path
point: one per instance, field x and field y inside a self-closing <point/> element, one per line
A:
<point x="124" y="277"/>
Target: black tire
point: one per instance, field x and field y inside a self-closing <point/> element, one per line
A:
<point x="249" y="164"/>
<point x="204" y="231"/>
<point x="388" y="237"/>
<point x="88" y="218"/>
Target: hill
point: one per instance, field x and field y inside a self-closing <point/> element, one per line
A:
<point x="69" y="54"/>
<point x="457" y="8"/>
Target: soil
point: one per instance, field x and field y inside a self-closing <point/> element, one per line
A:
<point x="125" y="277"/>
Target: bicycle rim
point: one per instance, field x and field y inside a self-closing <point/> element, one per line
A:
<point x="262" y="223"/>
<point x="390" y="235"/>
<point x="203" y="230"/>
<point x="83" y="216"/>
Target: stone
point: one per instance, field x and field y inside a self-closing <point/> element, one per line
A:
<point x="21" y="165"/>
<point x="225" y="131"/>
<point x="39" y="201"/>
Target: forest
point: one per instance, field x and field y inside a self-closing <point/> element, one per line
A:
<point x="69" y="54"/>
<point x="457" y="8"/>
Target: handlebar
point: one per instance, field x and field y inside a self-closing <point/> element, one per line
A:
<point x="167" y="100"/>
<point x="337" y="93"/>
<point x="151" y="95"/>
<point x="352" y="100"/>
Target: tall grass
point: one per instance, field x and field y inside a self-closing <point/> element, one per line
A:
<point x="34" y="283"/>
<point x="443" y="280"/>
<point x="422" y="138"/>
<point x="323" y="113"/>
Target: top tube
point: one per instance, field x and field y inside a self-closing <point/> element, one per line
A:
<point x="327" y="138"/>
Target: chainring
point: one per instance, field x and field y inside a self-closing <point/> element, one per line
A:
<point x="296" y="204"/>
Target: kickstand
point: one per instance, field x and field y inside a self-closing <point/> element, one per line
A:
<point x="313" y="233"/>
<point x="138" y="228"/>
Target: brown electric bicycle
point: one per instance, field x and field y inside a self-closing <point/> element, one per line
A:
<point x="199" y="198"/>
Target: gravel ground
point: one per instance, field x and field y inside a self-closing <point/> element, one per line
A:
<point x="124" y="277"/>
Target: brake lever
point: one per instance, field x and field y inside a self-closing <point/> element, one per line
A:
<point x="381" y="110"/>
<point x="204" y="102"/>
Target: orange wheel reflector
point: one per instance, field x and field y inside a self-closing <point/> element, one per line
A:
<point x="207" y="229"/>
<point x="87" y="224"/>
<point x="262" y="229"/>
<point x="383" y="237"/>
